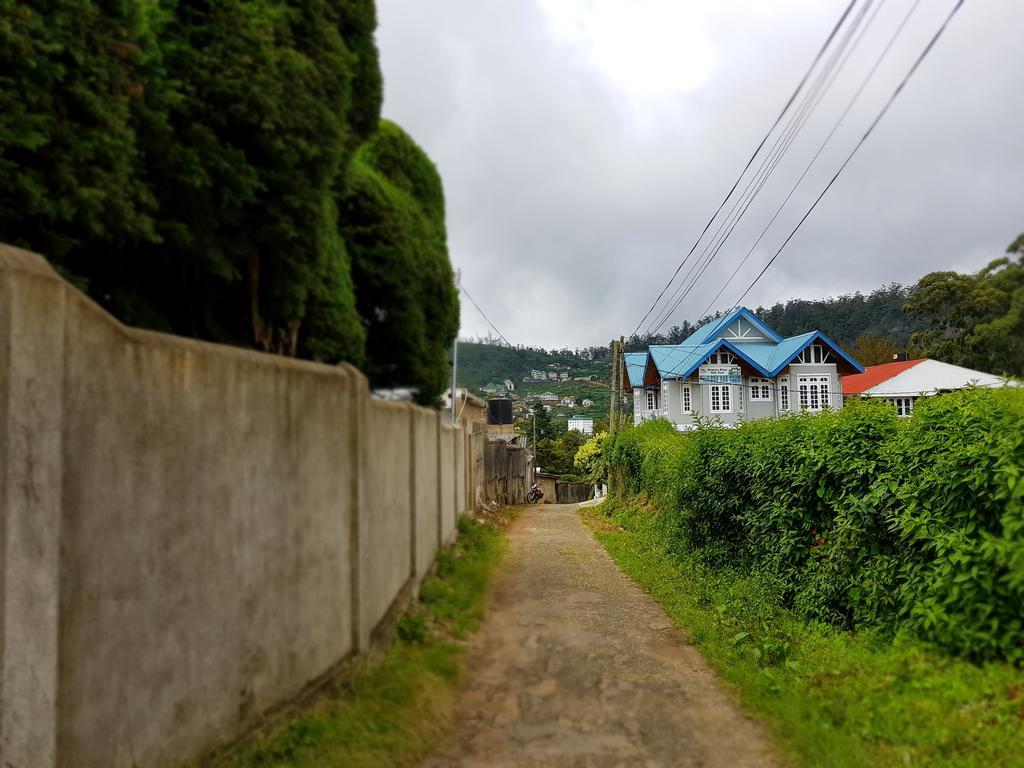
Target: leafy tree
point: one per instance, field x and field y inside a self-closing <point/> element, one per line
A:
<point x="557" y="454"/>
<point x="872" y="350"/>
<point x="71" y="78"/>
<point x="393" y="220"/>
<point x="589" y="459"/>
<point x="975" y="320"/>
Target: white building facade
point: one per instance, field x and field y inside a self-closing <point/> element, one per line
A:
<point x="582" y="424"/>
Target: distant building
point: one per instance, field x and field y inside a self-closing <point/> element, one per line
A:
<point x="583" y="424"/>
<point x="509" y="385"/>
<point x="583" y="378"/>
<point x="548" y="397"/>
<point x="587" y="402"/>
<point x="737" y="369"/>
<point x="553" y="375"/>
<point x="903" y="382"/>
<point x="563" y="376"/>
<point x="535" y="374"/>
<point x="569" y="402"/>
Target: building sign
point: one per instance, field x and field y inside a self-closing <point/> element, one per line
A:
<point x="720" y="374"/>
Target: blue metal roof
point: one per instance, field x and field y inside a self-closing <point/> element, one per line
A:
<point x="681" y="360"/>
<point x="636" y="364"/>
<point x="714" y="329"/>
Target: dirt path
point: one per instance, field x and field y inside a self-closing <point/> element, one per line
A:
<point x="576" y="666"/>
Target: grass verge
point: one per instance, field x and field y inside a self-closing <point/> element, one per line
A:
<point x="393" y="710"/>
<point x="829" y="698"/>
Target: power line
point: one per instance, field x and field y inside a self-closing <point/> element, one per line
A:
<point x="778" y="119"/>
<point x="782" y="144"/>
<point x="483" y="315"/>
<point x="892" y="98"/>
<point x="849" y="106"/>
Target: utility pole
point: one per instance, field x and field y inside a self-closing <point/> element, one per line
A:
<point x="534" y="412"/>
<point x="618" y="392"/>
<point x="613" y="411"/>
<point x="455" y="349"/>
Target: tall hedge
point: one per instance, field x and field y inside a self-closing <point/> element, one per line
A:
<point x="392" y="209"/>
<point x="858" y="517"/>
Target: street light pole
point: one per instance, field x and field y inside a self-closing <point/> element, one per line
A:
<point x="455" y="349"/>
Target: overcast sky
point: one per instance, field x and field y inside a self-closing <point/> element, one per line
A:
<point x="584" y="144"/>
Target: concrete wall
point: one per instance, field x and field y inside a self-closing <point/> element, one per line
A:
<point x="446" y="457"/>
<point x="190" y="533"/>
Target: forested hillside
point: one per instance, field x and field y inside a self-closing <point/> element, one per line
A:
<point x="220" y="170"/>
<point x="846" y="318"/>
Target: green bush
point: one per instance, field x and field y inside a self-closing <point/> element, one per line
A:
<point x="856" y="517"/>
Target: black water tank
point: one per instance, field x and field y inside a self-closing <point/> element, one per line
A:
<point x="499" y="410"/>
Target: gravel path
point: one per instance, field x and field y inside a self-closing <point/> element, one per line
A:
<point x="576" y="666"/>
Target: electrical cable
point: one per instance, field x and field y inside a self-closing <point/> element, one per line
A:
<point x="778" y="119"/>
<point x="828" y="138"/>
<point x="878" y="118"/>
<point x="782" y="144"/>
<point x="484" y="316"/>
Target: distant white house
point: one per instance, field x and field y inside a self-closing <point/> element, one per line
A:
<point x="903" y="382"/>
<point x="583" y="424"/>
<point x="509" y="385"/>
<point x="548" y="397"/>
<point x="568" y="402"/>
<point x="563" y="376"/>
<point x="587" y="402"/>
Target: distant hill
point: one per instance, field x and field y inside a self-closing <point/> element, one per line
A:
<point x="842" y="318"/>
<point x="481" y="364"/>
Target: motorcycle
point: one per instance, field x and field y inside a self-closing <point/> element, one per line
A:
<point x="535" y="495"/>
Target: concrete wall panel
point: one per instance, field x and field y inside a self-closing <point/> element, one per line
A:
<point x="446" y="454"/>
<point x="205" y="535"/>
<point x="427" y="488"/>
<point x="389" y="531"/>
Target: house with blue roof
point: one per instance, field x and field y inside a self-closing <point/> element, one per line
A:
<point x="735" y="369"/>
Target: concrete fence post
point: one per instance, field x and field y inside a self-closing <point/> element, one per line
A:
<point x="413" y="490"/>
<point x="32" y="318"/>
<point x="360" y="401"/>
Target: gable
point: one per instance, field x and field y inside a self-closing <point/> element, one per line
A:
<point x="739" y="325"/>
<point x="742" y="330"/>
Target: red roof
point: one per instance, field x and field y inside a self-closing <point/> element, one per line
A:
<point x="856" y="383"/>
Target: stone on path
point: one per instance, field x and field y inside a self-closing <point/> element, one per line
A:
<point x="576" y="666"/>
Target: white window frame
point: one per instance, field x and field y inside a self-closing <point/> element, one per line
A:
<point x="760" y="389"/>
<point x="685" y="399"/>
<point x="720" y="358"/>
<point x="815" y="354"/>
<point x="814" y="392"/>
<point x="904" y="406"/>
<point x="784" y="393"/>
<point x="652" y="400"/>
<point x="723" y="396"/>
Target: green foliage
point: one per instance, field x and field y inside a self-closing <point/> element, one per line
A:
<point x="859" y="518"/>
<point x="974" y="320"/>
<point x="830" y="699"/>
<point x="871" y="350"/>
<point x="397" y="709"/>
<point x="185" y="163"/>
<point x="845" y="318"/>
<point x="589" y="459"/>
<point x="556" y="455"/>
<point x="393" y="220"/>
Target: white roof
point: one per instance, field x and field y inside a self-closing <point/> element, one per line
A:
<point x="930" y="377"/>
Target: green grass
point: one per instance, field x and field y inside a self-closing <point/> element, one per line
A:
<point x="828" y="697"/>
<point x="394" y="710"/>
